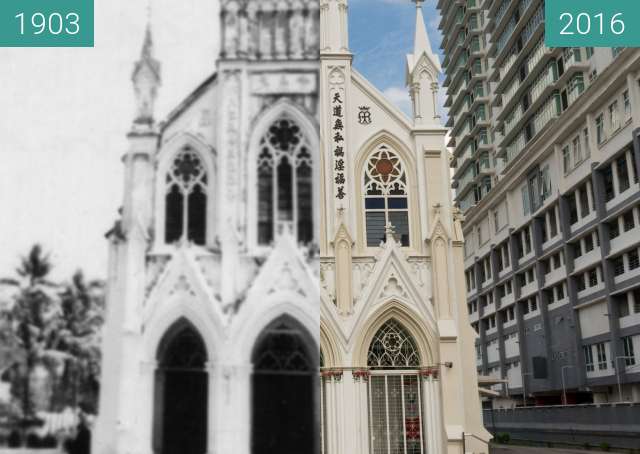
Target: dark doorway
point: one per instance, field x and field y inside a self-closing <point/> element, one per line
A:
<point x="181" y="394"/>
<point x="285" y="420"/>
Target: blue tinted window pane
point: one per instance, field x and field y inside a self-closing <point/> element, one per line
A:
<point x="400" y="222"/>
<point x="374" y="203"/>
<point x="397" y="204"/>
<point x="375" y="228"/>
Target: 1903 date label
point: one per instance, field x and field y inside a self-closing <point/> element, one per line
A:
<point x="46" y="23"/>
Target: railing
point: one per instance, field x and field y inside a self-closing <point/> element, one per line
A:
<point x="549" y="111"/>
<point x="511" y="90"/>
<point x="537" y="54"/>
<point x="513" y="118"/>
<point x="508" y="64"/>
<point x="516" y="147"/>
<point x="545" y="79"/>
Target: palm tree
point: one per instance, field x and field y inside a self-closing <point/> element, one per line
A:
<point x="31" y="323"/>
<point x="81" y="318"/>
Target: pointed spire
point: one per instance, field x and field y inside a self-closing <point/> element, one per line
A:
<point x="421" y="41"/>
<point x="423" y="73"/>
<point x="147" y="46"/>
<point x="146" y="79"/>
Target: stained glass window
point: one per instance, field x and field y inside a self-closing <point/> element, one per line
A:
<point x="394" y="392"/>
<point x="186" y="199"/>
<point x="284" y="183"/>
<point x="385" y="197"/>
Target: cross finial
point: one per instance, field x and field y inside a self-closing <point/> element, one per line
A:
<point x="418" y="3"/>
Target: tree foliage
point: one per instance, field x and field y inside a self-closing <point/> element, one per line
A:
<point x="51" y="332"/>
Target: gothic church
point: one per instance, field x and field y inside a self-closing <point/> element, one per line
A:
<point x="397" y="351"/>
<point x="211" y="337"/>
<point x="286" y="275"/>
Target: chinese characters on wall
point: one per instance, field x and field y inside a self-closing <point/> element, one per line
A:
<point x="337" y="125"/>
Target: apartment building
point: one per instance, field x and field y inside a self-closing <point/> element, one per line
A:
<point x="546" y="163"/>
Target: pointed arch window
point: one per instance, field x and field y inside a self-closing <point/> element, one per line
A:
<point x="284" y="386"/>
<point x="285" y="179"/>
<point x="393" y="347"/>
<point x="186" y="199"/>
<point x="395" y="399"/>
<point x="385" y="197"/>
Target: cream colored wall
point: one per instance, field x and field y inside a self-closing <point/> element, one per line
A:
<point x="421" y="286"/>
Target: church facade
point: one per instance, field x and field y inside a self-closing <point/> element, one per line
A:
<point x="397" y="351"/>
<point x="286" y="275"/>
<point x="211" y="337"/>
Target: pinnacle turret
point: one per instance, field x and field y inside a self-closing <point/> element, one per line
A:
<point x="146" y="81"/>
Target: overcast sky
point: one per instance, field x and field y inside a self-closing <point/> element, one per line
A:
<point x="65" y="114"/>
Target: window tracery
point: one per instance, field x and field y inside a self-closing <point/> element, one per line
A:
<point x="393" y="347"/>
<point x="285" y="183"/>
<point x="386" y="197"/>
<point x="394" y="396"/>
<point x="186" y="198"/>
<point x="282" y="349"/>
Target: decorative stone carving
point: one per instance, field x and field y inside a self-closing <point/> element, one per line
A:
<point x="182" y="286"/>
<point x="342" y="245"/>
<point x="231" y="112"/>
<point x="286" y="281"/>
<point x="283" y="83"/>
<point x="393" y="288"/>
<point x="270" y="29"/>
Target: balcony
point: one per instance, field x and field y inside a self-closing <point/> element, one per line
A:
<point x="625" y="240"/>
<point x="509" y="324"/>
<point x="587" y="260"/>
<point x="543" y="81"/>
<point x="529" y="289"/>
<point x="628" y="274"/>
<point x="581" y="222"/>
<point x="554" y="276"/>
<point x="630" y="320"/>
<point x="556" y="304"/>
<point x="507" y="300"/>
<point x="489" y="309"/>
<point x="532" y="314"/>
<point x="597" y="372"/>
<point x="591" y="290"/>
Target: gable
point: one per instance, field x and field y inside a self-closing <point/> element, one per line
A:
<point x="196" y="115"/>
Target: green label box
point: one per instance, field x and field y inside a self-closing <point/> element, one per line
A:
<point x="592" y="23"/>
<point x="46" y="23"/>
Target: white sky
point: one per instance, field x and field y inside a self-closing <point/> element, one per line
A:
<point x="63" y="120"/>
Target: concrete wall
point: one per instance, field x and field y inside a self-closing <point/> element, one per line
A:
<point x="617" y="425"/>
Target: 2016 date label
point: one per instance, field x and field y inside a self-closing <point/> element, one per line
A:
<point x="592" y="23"/>
<point x="46" y="23"/>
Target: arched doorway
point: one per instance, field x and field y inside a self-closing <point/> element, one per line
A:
<point x="181" y="392"/>
<point x="285" y="391"/>
<point x="395" y="398"/>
